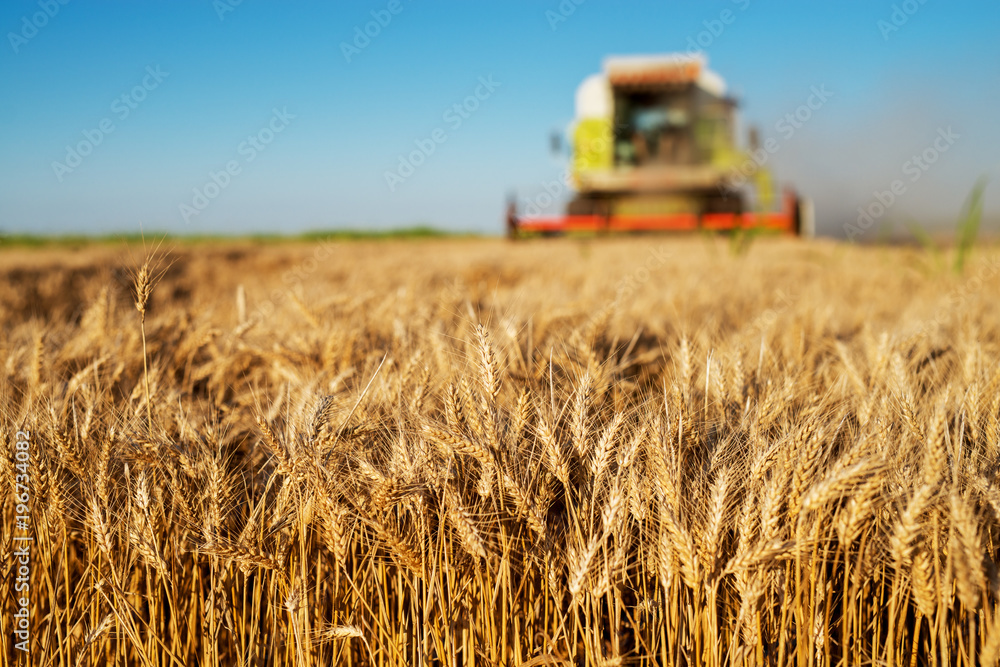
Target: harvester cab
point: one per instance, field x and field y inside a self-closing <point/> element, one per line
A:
<point x="654" y="148"/>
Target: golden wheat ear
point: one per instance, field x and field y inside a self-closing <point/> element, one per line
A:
<point x="144" y="279"/>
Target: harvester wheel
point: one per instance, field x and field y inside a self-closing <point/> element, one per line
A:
<point x="805" y="218"/>
<point x="512" y="226"/>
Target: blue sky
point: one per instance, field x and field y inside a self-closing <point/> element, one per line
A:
<point x="208" y="85"/>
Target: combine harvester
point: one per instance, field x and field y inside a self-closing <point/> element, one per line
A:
<point x="654" y="149"/>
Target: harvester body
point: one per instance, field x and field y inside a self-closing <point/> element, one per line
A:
<point x="654" y="148"/>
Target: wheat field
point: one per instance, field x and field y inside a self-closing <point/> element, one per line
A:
<point x="643" y="451"/>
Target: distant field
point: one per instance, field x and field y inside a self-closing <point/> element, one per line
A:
<point x="80" y="240"/>
<point x="456" y="451"/>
